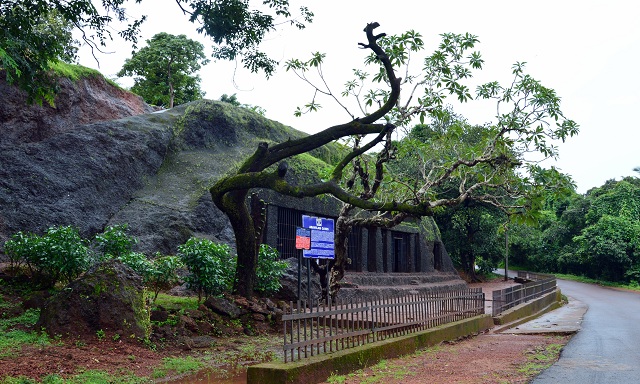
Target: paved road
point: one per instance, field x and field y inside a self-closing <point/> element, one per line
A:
<point x="607" y="349"/>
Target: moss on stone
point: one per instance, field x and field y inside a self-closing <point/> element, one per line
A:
<point x="429" y="228"/>
<point x="75" y="72"/>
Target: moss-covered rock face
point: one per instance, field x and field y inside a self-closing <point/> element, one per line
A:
<point x="429" y="229"/>
<point x="107" y="300"/>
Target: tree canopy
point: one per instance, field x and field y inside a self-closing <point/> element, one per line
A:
<point x="235" y="27"/>
<point x="29" y="41"/>
<point x="164" y="70"/>
<point x="494" y="170"/>
<point x="594" y="235"/>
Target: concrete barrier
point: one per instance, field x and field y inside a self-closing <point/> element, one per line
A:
<point x="318" y="368"/>
<point x="526" y="311"/>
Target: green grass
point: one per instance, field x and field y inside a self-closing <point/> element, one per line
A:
<point x="178" y="365"/>
<point x="87" y="377"/>
<point x="12" y="333"/>
<point x="176" y="302"/>
<point x="77" y="72"/>
<point x="540" y="359"/>
<point x="582" y="279"/>
<point x="378" y="373"/>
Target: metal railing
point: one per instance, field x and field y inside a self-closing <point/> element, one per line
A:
<point x="533" y="276"/>
<point x="510" y="297"/>
<point x="347" y="324"/>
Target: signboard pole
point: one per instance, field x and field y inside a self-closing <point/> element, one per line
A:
<point x="299" y="273"/>
<point x="309" y="283"/>
<point x="303" y="241"/>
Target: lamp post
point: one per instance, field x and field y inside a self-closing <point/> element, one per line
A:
<point x="506" y="251"/>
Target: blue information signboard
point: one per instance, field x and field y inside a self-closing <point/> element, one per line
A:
<point x="322" y="237"/>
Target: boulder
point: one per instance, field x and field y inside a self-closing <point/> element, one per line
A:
<point x="224" y="307"/>
<point x="108" y="298"/>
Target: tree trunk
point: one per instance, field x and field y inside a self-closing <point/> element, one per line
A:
<point x="235" y="207"/>
<point x="321" y="270"/>
<point x="341" y="242"/>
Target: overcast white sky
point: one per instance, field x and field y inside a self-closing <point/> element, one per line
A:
<point x="588" y="51"/>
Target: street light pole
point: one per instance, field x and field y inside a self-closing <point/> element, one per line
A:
<point x="506" y="252"/>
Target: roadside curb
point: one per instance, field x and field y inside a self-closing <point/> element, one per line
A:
<point x="318" y="368"/>
<point x="526" y="319"/>
<point x="529" y="309"/>
<point x="566" y="320"/>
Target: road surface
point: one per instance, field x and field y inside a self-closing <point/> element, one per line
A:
<point x="607" y="349"/>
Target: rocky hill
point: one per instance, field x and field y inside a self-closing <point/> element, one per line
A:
<point x="102" y="156"/>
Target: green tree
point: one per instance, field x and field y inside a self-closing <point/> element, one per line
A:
<point x="235" y="27"/>
<point x="164" y="70"/>
<point x="233" y="100"/>
<point x="29" y="41"/>
<point x="495" y="170"/>
<point x="470" y="232"/>
<point x="610" y="247"/>
<point x="607" y="246"/>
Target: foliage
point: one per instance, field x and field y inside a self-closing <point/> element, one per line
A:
<point x="233" y="100"/>
<point x="138" y="262"/>
<point x="178" y="365"/>
<point x="593" y="235"/>
<point x="114" y="241"/>
<point x="85" y="376"/>
<point x="60" y="255"/>
<point x="12" y="329"/>
<point x="500" y="167"/>
<point x="160" y="273"/>
<point x="609" y="247"/>
<point x="163" y="274"/>
<point x="164" y="70"/>
<point x="34" y="33"/>
<point x="541" y="358"/>
<point x="176" y="302"/>
<point x="470" y="232"/>
<point x="269" y="271"/>
<point x="210" y="266"/>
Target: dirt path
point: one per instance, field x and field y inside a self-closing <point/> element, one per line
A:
<point x="485" y="358"/>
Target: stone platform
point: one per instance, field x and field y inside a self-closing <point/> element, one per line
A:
<point x="369" y="285"/>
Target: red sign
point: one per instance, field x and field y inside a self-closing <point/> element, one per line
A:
<point x="303" y="238"/>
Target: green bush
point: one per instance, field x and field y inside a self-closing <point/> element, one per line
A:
<point x="157" y="274"/>
<point x="20" y="248"/>
<point x="163" y="274"/>
<point x="138" y="262"/>
<point x="115" y="241"/>
<point x="60" y="255"/>
<point x="211" y="266"/>
<point x="269" y="271"/>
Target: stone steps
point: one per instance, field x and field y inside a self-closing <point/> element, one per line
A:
<point x="369" y="286"/>
<point x="362" y="279"/>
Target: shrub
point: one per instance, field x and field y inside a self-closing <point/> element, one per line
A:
<point x="115" y="241"/>
<point x="60" y="255"/>
<point x="20" y="248"/>
<point x="210" y="266"/>
<point x="163" y="274"/>
<point x="66" y="253"/>
<point x="269" y="271"/>
<point x="138" y="262"/>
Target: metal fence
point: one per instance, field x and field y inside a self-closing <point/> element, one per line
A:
<point x="347" y="324"/>
<point x="512" y="296"/>
<point x="533" y="276"/>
